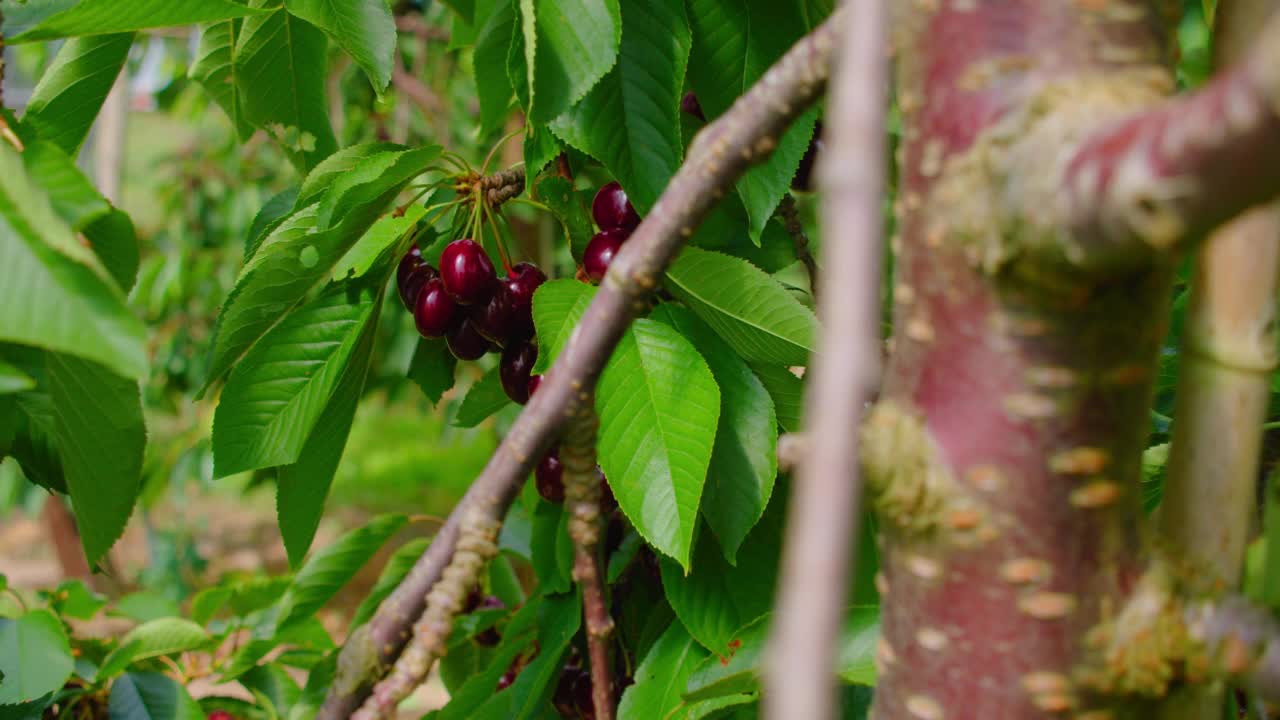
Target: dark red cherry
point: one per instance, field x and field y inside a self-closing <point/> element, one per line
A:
<point x="507" y="680"/>
<point x="494" y="319"/>
<point x="611" y="209"/>
<point x="600" y="251"/>
<point x="220" y="715"/>
<point x="517" y="361"/>
<point x="689" y="104"/>
<point x="549" y="478"/>
<point x="472" y="603"/>
<point x="522" y="282"/>
<point x="411" y="275"/>
<point x="582" y="696"/>
<point x="434" y="311"/>
<point x="465" y="343"/>
<point x="563" y="698"/>
<point x="467" y="272"/>
<point x="534" y="382"/>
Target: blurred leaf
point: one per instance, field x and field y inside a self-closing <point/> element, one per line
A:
<point x="280" y="65"/>
<point x="273" y="684"/>
<point x="331" y="567"/>
<point x="303" y="486"/>
<point x="163" y="636"/>
<point x="432" y="368"/>
<point x="145" y="606"/>
<point x="558" y="194"/>
<point x="66" y="101"/>
<point x="151" y="696"/>
<point x="661" y="677"/>
<point x="749" y="309"/>
<point x="485" y="398"/>
<point x="365" y="30"/>
<point x="558" y="305"/>
<point x="13" y="380"/>
<point x="396" y="569"/>
<point x="215" y="69"/>
<point x="101" y="440"/>
<point x="275" y="397"/>
<point x="630" y="120"/>
<point x="35" y="657"/>
<point x="715" y="598"/>
<point x="113" y="238"/>
<point x="49" y="19"/>
<point x="465" y="8"/>
<point x="744" y="461"/>
<point x="57" y="295"/>
<point x="658" y="405"/>
<point x="73" y="599"/>
<point x="787" y="392"/>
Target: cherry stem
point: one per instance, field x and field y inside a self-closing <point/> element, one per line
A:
<point x="484" y="168"/>
<point x="498" y="239"/>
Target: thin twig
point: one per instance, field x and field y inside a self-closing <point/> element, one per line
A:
<point x="582" y="500"/>
<point x="799" y="240"/>
<point x="800" y="679"/>
<point x="721" y="153"/>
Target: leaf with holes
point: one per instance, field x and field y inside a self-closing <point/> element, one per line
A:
<point x="630" y="119"/>
<point x="274" y="398"/>
<point x="658" y="405"/>
<point x="745" y="306"/>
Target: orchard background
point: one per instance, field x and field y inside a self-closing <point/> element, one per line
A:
<point x="452" y="359"/>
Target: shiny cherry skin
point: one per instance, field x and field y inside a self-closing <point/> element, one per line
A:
<point x="412" y="273"/>
<point x="465" y="343"/>
<point x="611" y="209"/>
<point x="467" y="272"/>
<point x="517" y="361"/>
<point x="507" y="680"/>
<point x="600" y="251"/>
<point x="495" y="318"/>
<point x="534" y="382"/>
<point x="549" y="478"/>
<point x="522" y="282"/>
<point x="434" y="312"/>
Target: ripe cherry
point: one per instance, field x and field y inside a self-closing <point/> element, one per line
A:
<point x="565" y="696"/>
<point x="467" y="272"/>
<point x="600" y="251"/>
<point x="521" y="283"/>
<point x="517" y="361"/>
<point x="220" y="715"/>
<point x="611" y="209"/>
<point x="534" y="382"/>
<point x="549" y="478"/>
<point x="465" y="343"/>
<point x="494" y="319"/>
<point x="582" y="696"/>
<point x="508" y="679"/>
<point x="411" y="275"/>
<point x="489" y="637"/>
<point x="434" y="311"/>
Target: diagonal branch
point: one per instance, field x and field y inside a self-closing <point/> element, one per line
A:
<point x="721" y="153"/>
<point x="821" y="523"/>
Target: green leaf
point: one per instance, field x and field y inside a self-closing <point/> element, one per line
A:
<point x="749" y="309"/>
<point x="630" y="120"/>
<point x="658" y="405"/>
<point x="558" y="194"/>
<point x="382" y="238"/>
<point x="331" y="168"/>
<point x="101" y="439"/>
<point x="13" y="380"/>
<point x="329" y="569"/>
<point x="787" y="392"/>
<point x="432" y="368"/>
<point x="558" y="620"/>
<point x="558" y="305"/>
<point x="661" y="677"/>
<point x="145" y="606"/>
<point x="739" y="672"/>
<point x="35" y="657"/>
<point x="365" y="30"/>
<point x="280" y="62"/>
<point x="113" y="239"/>
<point x="67" y="99"/>
<point x="744" y="462"/>
<point x="162" y="636"/>
<point x="301" y="250"/>
<point x="151" y="696"/>
<point x="78" y="308"/>
<point x="541" y="146"/>
<point x="466" y="9"/>
<point x="485" y="398"/>
<point x="272" y="684"/>
<point x="576" y="42"/>
<point x="63" y="18"/>
<point x="734" y="43"/>
<point x="275" y="397"/>
<point x="551" y="553"/>
<point x="215" y="69"/>
<point x="274" y="212"/>
<point x="479" y="689"/>
<point x="396" y="569"/>
<point x="715" y="598"/>
<point x="301" y="488"/>
<point x="73" y="599"/>
<point x="493" y="89"/>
